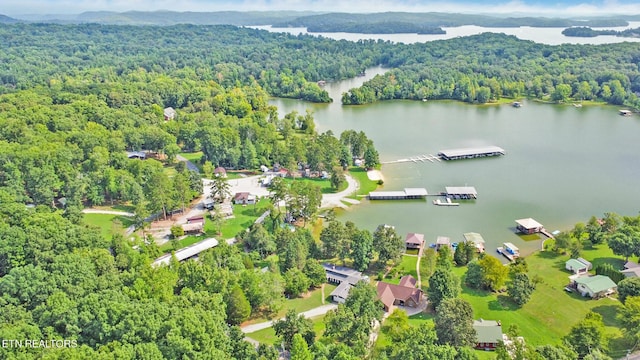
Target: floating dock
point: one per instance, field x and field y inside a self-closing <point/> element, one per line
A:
<point x="471" y="153"/>
<point x="415" y="159"/>
<point x="444" y="203"/>
<point x="406" y="194"/>
<point x="509" y="251"/>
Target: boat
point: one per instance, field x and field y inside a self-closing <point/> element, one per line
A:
<point x="516" y="104"/>
<point x="509" y="251"/>
<point x="626" y="112"/>
<point x="577" y="105"/>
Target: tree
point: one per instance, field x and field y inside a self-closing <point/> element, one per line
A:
<point x="238" y="307"/>
<point x="443" y="284"/>
<point x="454" y="323"/>
<point x="520" y="288"/>
<point x="315" y="273"/>
<point x="208" y="170"/>
<point x="629" y="316"/>
<point x="594" y="229"/>
<point x="351" y="323"/>
<point x="295" y="282"/>
<point x="465" y="252"/>
<point x="220" y="188"/>
<point x="473" y="278"/>
<point x="177" y="231"/>
<point x="260" y="240"/>
<point x="387" y="243"/>
<point x="291" y="325"/>
<point x="588" y="335"/>
<point x="551" y="352"/>
<point x="561" y="93"/>
<point x="396" y="325"/>
<point x="300" y="349"/>
<point x="334" y="240"/>
<point x="337" y="178"/>
<point x="628" y="287"/>
<point x="371" y="157"/>
<point x="304" y="200"/>
<point x="362" y="249"/>
<point x="625" y="241"/>
<point x="494" y="274"/>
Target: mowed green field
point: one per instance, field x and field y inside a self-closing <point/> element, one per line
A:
<point x="552" y="311"/>
<point x="106" y="223"/>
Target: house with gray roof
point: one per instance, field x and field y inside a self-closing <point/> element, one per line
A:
<point x="631" y="269"/>
<point x="578" y="266"/>
<point x="345" y="277"/>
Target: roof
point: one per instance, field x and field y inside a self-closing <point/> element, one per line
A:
<point x="487" y="331"/>
<point x="575" y="264"/>
<point x="219" y="170"/>
<point x="343" y="274"/>
<point x="187" y="252"/>
<point x="634" y="272"/>
<point x="631" y="265"/>
<point x="195" y="226"/>
<point x="399" y="292"/>
<point x="408" y="281"/>
<point x="241" y="196"/>
<point x="169" y="112"/>
<point x="596" y="283"/>
<point x="342" y="290"/>
<point x="528" y="223"/>
<point x="195" y="219"/>
<point x="136" y="154"/>
<point x="474" y="237"/>
<point x="416" y="191"/>
<point x="471" y="151"/>
<point x="414" y="238"/>
<point x="386" y="296"/>
<point x="442" y="240"/>
<point x="461" y="190"/>
<point x="511" y="246"/>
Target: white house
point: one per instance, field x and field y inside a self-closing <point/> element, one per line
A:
<point x="595" y="286"/>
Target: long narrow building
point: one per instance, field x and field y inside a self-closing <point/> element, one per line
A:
<point x="471" y="153"/>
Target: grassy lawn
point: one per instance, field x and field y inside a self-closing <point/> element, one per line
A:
<point x="106" y="222"/>
<point x="189" y="240"/>
<point x="194" y="157"/>
<point x="551" y="312"/>
<point x="244" y="217"/>
<point x="268" y="335"/>
<point x="324" y="184"/>
<point x="366" y="185"/>
<point x="117" y="207"/>
<point x="407" y="266"/>
<point x="301" y="304"/>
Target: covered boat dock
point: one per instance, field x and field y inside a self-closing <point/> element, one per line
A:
<point x="406" y="194"/>
<point x="471" y="153"/>
<point x="461" y="192"/>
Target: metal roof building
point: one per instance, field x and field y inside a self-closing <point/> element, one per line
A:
<point x="470" y="153"/>
<point x="187" y="252"/>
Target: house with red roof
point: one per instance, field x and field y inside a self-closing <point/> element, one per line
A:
<point x="405" y="293"/>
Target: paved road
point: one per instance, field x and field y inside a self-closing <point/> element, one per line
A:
<point x="320" y="310"/>
<point x="190" y="166"/>
<point x="334" y="200"/>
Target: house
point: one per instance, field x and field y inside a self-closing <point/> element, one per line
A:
<point x="595" y="286"/>
<point x="403" y="294"/>
<point x="193" y="228"/>
<point x="220" y="171"/>
<point x="475" y="239"/>
<point x="345" y="277"/>
<point x="578" y="266"/>
<point x="488" y="334"/>
<point x="136" y="155"/>
<point x="528" y="226"/>
<point x="414" y="241"/>
<point x="244" y="198"/>
<point x="169" y="113"/>
<point x="631" y="269"/>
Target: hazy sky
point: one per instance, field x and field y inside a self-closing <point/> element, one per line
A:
<point x="554" y="8"/>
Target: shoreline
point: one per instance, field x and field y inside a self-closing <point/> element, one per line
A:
<point x="375" y="175"/>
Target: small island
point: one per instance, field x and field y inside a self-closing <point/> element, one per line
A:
<point x="585" y="31"/>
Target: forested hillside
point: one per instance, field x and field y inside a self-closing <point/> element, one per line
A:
<point x="503" y="66"/>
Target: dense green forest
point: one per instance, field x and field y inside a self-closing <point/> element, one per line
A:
<point x="344" y="22"/>
<point x="503" y="66"/>
<point x="585" y="31"/>
<point x="75" y="98"/>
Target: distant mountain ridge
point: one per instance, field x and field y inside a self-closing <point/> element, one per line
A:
<point x="382" y="22"/>
<point x="4" y="19"/>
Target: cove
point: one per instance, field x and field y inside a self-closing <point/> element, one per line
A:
<point x="562" y="165"/>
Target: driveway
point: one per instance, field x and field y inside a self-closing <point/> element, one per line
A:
<point x="320" y="310"/>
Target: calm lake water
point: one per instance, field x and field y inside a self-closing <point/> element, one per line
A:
<point x="563" y="164"/>
<point x="550" y="36"/>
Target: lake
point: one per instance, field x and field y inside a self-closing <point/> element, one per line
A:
<point x="562" y="165"/>
<point x="550" y="36"/>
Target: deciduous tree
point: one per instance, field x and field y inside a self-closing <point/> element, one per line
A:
<point x="454" y="323"/>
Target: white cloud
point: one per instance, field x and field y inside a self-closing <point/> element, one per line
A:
<point x="16" y="7"/>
